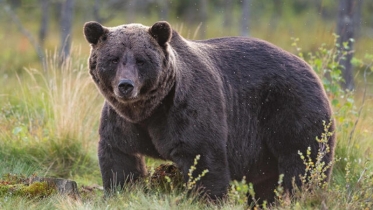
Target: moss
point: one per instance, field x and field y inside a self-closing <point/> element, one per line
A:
<point x="16" y="185"/>
<point x="37" y="190"/>
<point x="3" y="190"/>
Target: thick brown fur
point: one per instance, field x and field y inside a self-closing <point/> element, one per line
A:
<point x="246" y="106"/>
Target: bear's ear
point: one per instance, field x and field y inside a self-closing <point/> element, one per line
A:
<point x="162" y="32"/>
<point x="93" y="31"/>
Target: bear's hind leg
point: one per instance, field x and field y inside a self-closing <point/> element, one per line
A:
<point x="264" y="190"/>
<point x="292" y="167"/>
<point x="265" y="180"/>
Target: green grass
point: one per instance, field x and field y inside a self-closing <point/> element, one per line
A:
<point x="46" y="122"/>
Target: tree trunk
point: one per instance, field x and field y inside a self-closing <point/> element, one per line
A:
<point x="245" y="18"/>
<point x="44" y="21"/>
<point x="345" y="30"/>
<point x="66" y="24"/>
<point x="357" y="18"/>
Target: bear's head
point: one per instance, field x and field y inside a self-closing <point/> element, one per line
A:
<point x="131" y="64"/>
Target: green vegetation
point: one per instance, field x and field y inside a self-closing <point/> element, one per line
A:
<point x="49" y="120"/>
<point x="14" y="185"/>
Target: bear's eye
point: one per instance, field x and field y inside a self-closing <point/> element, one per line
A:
<point x="114" y="61"/>
<point x="140" y="62"/>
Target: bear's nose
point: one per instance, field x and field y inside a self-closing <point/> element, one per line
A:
<point x="125" y="86"/>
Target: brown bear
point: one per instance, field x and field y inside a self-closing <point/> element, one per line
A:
<point x="244" y="105"/>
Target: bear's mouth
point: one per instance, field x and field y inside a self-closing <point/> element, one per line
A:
<point x="126" y="97"/>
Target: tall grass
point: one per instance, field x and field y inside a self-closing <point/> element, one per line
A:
<point x="49" y="120"/>
<point x="72" y="100"/>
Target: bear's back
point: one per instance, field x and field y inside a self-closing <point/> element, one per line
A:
<point x="269" y="94"/>
<point x="255" y="69"/>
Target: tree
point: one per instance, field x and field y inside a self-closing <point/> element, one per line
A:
<point x="65" y="26"/>
<point x="358" y="19"/>
<point x="347" y="11"/>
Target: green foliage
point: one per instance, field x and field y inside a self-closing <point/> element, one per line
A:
<point x="315" y="173"/>
<point x="239" y="190"/>
<point x="314" y="180"/>
<point x="280" y="194"/>
<point x="192" y="181"/>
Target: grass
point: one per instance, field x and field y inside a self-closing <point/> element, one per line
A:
<point x="49" y="125"/>
<point x="49" y="120"/>
<point x="46" y="122"/>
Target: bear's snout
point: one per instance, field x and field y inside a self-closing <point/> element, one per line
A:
<point x="126" y="87"/>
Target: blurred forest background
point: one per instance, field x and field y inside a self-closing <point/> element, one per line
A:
<point x="50" y="108"/>
<point x="33" y="26"/>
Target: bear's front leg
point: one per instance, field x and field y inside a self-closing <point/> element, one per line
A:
<point x="117" y="167"/>
<point x="120" y="150"/>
